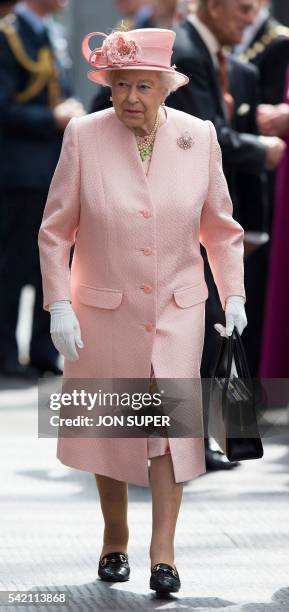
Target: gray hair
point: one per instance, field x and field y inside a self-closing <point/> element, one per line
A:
<point x="168" y="79"/>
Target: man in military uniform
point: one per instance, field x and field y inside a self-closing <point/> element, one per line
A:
<point x="34" y="111"/>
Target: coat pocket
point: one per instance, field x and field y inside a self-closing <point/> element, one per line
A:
<point x="99" y="297"/>
<point x="189" y="296"/>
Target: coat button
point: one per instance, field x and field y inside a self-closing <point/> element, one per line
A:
<point x="146" y="213"/>
<point x="149" y="326"/>
<point x="147" y="251"/>
<point x="147" y="288"/>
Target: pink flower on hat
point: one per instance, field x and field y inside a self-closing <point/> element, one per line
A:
<point x="118" y="48"/>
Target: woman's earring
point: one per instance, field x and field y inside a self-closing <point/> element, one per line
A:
<point x="163" y="103"/>
<point x="110" y="98"/>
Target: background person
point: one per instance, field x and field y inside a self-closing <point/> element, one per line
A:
<point x="266" y="45"/>
<point x="6" y="7"/>
<point x="199" y="53"/>
<point x="274" y="120"/>
<point x="185" y="8"/>
<point x="135" y="14"/>
<point x="164" y="13"/>
<point x="225" y="92"/>
<point x="137" y="161"/>
<point x="34" y="111"/>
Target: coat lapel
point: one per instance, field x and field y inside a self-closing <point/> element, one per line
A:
<point x="165" y="176"/>
<point x="122" y="151"/>
<point x="202" y="47"/>
<point x="163" y="145"/>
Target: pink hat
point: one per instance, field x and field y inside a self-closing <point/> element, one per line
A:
<point x="147" y="49"/>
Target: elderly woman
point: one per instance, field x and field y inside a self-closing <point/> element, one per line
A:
<point x="137" y="188"/>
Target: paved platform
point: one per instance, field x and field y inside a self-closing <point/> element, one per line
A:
<point x="232" y="543"/>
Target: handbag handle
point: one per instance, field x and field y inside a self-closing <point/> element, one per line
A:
<point x="233" y="347"/>
<point x="225" y="356"/>
<point x="241" y="361"/>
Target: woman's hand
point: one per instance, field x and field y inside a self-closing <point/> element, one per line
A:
<point x="65" y="330"/>
<point x="235" y="316"/>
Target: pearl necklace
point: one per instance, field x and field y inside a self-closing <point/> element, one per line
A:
<point x="146" y="143"/>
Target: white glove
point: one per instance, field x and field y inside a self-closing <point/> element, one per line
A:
<point x="235" y="316"/>
<point x="65" y="329"/>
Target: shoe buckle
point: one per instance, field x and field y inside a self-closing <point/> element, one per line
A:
<point x="166" y="569"/>
<point x="104" y="560"/>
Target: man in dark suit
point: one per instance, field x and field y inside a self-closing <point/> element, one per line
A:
<point x="33" y="116"/>
<point x="197" y="48"/>
<point x="250" y="189"/>
<point x="266" y="45"/>
<point x="229" y="102"/>
<point x="251" y="208"/>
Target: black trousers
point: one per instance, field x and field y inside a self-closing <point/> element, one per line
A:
<point x="21" y="214"/>
<point x="212" y="340"/>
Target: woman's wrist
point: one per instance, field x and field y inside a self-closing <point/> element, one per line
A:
<point x="58" y="306"/>
<point x="235" y="298"/>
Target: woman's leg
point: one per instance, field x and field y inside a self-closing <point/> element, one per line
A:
<point x="113" y="500"/>
<point x="166" y="501"/>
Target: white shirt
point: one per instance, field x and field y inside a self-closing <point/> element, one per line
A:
<point x="207" y="36"/>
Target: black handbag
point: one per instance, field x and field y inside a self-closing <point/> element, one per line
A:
<point x="233" y="401"/>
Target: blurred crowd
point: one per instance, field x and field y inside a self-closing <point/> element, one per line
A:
<point x="237" y="58"/>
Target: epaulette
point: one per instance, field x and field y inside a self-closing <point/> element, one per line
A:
<point x="43" y="72"/>
<point x="259" y="46"/>
<point x="7" y="22"/>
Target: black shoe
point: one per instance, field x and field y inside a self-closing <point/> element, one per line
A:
<point x="45" y="369"/>
<point x="164" y="579"/>
<point x="216" y="460"/>
<point x="17" y="370"/>
<point x="114" y="567"/>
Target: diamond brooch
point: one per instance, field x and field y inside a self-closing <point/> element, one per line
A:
<point x="185" y="141"/>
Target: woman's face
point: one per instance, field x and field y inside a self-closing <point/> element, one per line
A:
<point x="137" y="96"/>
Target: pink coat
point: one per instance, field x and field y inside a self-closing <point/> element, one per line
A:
<point x="137" y="279"/>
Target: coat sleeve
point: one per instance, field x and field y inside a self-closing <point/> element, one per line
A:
<point x="220" y="234"/>
<point x="60" y="221"/>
